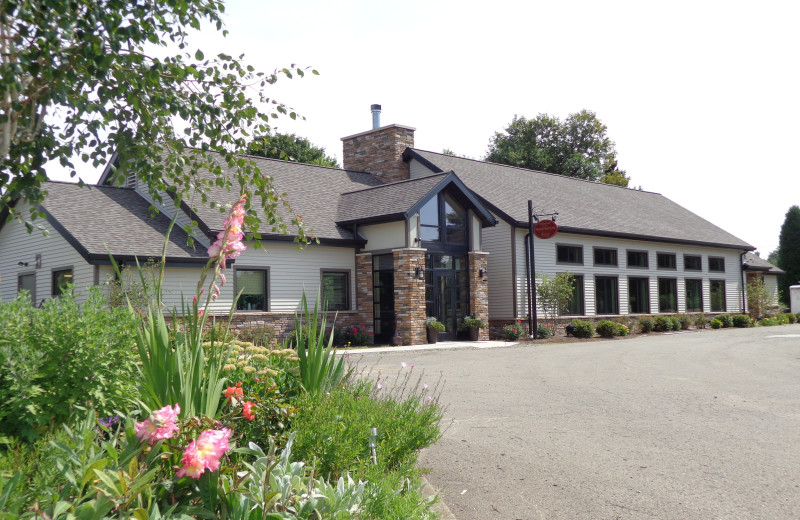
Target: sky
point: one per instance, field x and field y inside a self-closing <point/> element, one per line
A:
<point x="702" y="98"/>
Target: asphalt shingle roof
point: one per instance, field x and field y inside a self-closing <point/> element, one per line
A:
<point x="103" y="219"/>
<point x="386" y="200"/>
<point x="582" y="206"/>
<point x="756" y="263"/>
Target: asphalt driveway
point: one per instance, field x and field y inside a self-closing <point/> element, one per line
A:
<point x="699" y="425"/>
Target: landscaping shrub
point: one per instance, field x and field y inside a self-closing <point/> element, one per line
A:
<point x="684" y="321"/>
<point x="583" y="329"/>
<point x="676" y="323"/>
<point x="543" y="331"/>
<point x="664" y="324"/>
<point x="646" y="324"/>
<point x="61" y="356"/>
<point x="716" y="324"/>
<point x="700" y="321"/>
<point x="781" y="319"/>
<point x="262" y="336"/>
<point x="741" y="320"/>
<point x="513" y="331"/>
<point x="355" y="335"/>
<point x="606" y="328"/>
<point x="726" y="320"/>
<point x="622" y="329"/>
<point x="767" y="322"/>
<point x="791" y="317"/>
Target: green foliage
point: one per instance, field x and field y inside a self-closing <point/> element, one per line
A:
<point x="290" y="147"/>
<point x="676" y="323"/>
<point x="767" y="322"/>
<point x="553" y="294"/>
<point x="622" y="329"/>
<point x="741" y="320"/>
<point x="62" y="355"/>
<point x="262" y="336"/>
<point x="789" y="251"/>
<point x="606" y="328"/>
<point x="759" y="298"/>
<point x="543" y="331"/>
<point x="395" y="495"/>
<point x="781" y="319"/>
<point x="646" y="324"/>
<point x="716" y="324"/>
<point x="664" y="324"/>
<point x="583" y="329"/>
<point x="791" y="317"/>
<point x="320" y="371"/>
<point x="684" y="321"/>
<point x="576" y="147"/>
<point x="187" y="112"/>
<point x="513" y="331"/>
<point x="726" y="320"/>
<point x="433" y="323"/>
<point x="700" y="321"/>
<point x="355" y="335"/>
<point x="471" y="322"/>
<point x="334" y="428"/>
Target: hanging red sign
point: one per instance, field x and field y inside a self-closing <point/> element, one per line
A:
<point x="545" y="229"/>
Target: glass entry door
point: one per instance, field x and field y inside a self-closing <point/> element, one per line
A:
<point x="444" y="302"/>
<point x="446" y="292"/>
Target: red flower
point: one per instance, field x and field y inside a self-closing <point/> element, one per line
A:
<point x="234" y="392"/>
<point x="247" y="411"/>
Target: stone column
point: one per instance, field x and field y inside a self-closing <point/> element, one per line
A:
<point x="364" y="287"/>
<point x="409" y="295"/>
<point x="479" y="290"/>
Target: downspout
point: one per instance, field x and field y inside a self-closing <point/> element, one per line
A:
<point x="744" y="282"/>
<point x="530" y="267"/>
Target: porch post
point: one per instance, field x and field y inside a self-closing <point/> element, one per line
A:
<point x="409" y="294"/>
<point x="479" y="290"/>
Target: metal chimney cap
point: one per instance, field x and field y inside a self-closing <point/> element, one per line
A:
<point x="375" y="107"/>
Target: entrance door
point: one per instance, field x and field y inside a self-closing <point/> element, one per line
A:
<point x="444" y="302"/>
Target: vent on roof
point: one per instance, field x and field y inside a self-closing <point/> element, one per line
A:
<point x="376" y="116"/>
<point x="130" y="181"/>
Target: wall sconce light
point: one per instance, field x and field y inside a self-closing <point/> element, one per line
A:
<point x="481" y="272"/>
<point x="23" y="264"/>
<point x="419" y="273"/>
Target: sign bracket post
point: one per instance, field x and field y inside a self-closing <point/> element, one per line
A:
<point x="545" y="229"/>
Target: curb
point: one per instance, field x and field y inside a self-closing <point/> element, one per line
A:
<point x="439" y="507"/>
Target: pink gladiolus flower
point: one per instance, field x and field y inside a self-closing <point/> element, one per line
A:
<point x="380" y="386"/>
<point x="200" y="313"/>
<point x="160" y="424"/>
<point x="204" y="453"/>
<point x="222" y="279"/>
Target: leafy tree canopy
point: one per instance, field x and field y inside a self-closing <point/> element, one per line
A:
<point x="86" y="78"/>
<point x="292" y="148"/>
<point x="789" y="251"/>
<point x="575" y="147"/>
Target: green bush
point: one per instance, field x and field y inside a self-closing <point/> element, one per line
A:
<point x="622" y="329"/>
<point x="781" y="319"/>
<point x="606" y="328"/>
<point x="60" y="356"/>
<point x="767" y="322"/>
<point x="543" y="331"/>
<point x="726" y="320"/>
<point x="791" y="317"/>
<point x="684" y="321"/>
<point x="646" y="324"/>
<point x="740" y="320"/>
<point x="676" y="322"/>
<point x="664" y="324"/>
<point x="262" y="336"/>
<point x="513" y="331"/>
<point x="716" y="324"/>
<point x="583" y="329"/>
<point x="356" y="335"/>
<point x="700" y="321"/>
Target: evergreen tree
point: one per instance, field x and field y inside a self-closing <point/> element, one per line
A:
<point x="789" y="252"/>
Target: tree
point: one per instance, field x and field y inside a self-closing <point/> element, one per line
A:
<point x="759" y="298"/>
<point x="83" y="79"/>
<point x="554" y="295"/>
<point x="292" y="148"/>
<point x="575" y="147"/>
<point x="789" y="252"/>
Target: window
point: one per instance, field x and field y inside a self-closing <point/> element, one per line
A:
<point x="692" y="263"/>
<point x="27" y="282"/>
<point x="667" y="295"/>
<point x="666" y="261"/>
<point x="429" y="221"/>
<point x="638" y="259"/>
<point x="254" y="286"/>
<point x="605" y="295"/>
<point x="694" y="295"/>
<point x="575" y="306"/>
<point x="716" y="263"/>
<point x="717" y="290"/>
<point x="605" y="256"/>
<point x="455" y="221"/>
<point x="61" y="279"/>
<point x="569" y="254"/>
<point x="443" y="209"/>
<point x="639" y="295"/>
<point x="336" y="290"/>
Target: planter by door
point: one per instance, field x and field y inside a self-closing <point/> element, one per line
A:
<point x="473" y="333"/>
<point x="432" y="335"/>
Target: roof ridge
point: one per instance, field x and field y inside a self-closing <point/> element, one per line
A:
<point x="88" y="185"/>
<point x="536" y="171"/>
<point x="398" y="182"/>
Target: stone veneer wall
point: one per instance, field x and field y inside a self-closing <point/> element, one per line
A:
<point x="283" y="322"/>
<point x="409" y="295"/>
<point x="479" y="290"/>
<point x="379" y="152"/>
<point x="364" y="286"/>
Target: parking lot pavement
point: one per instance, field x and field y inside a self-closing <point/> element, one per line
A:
<point x="683" y="426"/>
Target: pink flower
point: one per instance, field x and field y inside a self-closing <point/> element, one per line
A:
<point x="379" y="386"/>
<point x="425" y="386"/>
<point x="200" y="313"/>
<point x="229" y="241"/>
<point x="247" y="411"/>
<point x="403" y="364"/>
<point x="204" y="453"/>
<point x="160" y="424"/>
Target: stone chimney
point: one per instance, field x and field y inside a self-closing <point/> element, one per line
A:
<point x="379" y="151"/>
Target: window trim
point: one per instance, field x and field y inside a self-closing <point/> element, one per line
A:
<point x="615" y="277"/>
<point x="53" y="272"/>
<point x="721" y="258"/>
<point x="673" y="255"/>
<point x="675" y="284"/>
<point x="579" y="247"/>
<point x="595" y="249"/>
<point x="685" y="295"/>
<point x="349" y="299"/>
<point x="647" y="279"/>
<point x="699" y="258"/>
<point x="646" y="258"/>
<point x="267" y="283"/>
<point x="19" y="285"/>
<point x="724" y="295"/>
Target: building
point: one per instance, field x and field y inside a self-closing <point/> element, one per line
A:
<point x="403" y="234"/>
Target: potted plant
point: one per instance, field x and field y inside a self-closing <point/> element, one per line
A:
<point x="472" y="325"/>
<point x="433" y="327"/>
